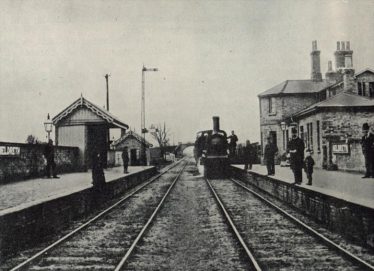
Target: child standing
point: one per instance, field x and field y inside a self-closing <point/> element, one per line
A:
<point x="308" y="166"/>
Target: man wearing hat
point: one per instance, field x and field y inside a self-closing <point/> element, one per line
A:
<point x="296" y="149"/>
<point x="367" y="142"/>
<point x="269" y="154"/>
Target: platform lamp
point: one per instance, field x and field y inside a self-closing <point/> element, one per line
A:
<point x="283" y="128"/>
<point x="48" y="124"/>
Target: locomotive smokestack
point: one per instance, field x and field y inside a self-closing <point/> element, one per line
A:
<point x="215" y="125"/>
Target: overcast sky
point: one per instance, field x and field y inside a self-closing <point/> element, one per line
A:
<point x="214" y="57"/>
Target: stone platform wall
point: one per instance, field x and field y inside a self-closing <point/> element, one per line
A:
<point x="353" y="221"/>
<point x="26" y="227"/>
<point x="21" y="161"/>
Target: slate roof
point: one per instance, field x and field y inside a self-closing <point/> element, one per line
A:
<point x="130" y="134"/>
<point x="102" y="113"/>
<point x="296" y="86"/>
<point x="341" y="100"/>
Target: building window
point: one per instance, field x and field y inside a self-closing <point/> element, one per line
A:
<point x="359" y="88"/>
<point x="272" y="109"/>
<point x="311" y="136"/>
<point x="318" y="137"/>
<point x="371" y="89"/>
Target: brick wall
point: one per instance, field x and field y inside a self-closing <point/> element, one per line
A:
<point x="353" y="221"/>
<point x="344" y="125"/>
<point x="285" y="105"/>
<point x="30" y="161"/>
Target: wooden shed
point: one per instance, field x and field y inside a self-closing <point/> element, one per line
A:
<point x="86" y="126"/>
<point x="134" y="144"/>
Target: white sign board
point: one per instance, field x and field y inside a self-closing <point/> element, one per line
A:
<point x="9" y="150"/>
<point x="340" y="148"/>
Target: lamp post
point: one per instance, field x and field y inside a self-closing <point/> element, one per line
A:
<point x="48" y="124"/>
<point x="283" y="128"/>
<point x="143" y="129"/>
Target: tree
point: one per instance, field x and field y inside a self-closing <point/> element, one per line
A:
<point x="161" y="134"/>
<point x="31" y="139"/>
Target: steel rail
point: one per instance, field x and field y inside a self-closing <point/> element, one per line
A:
<point x="145" y="227"/>
<point x="309" y="229"/>
<point x="27" y="262"/>
<point x="253" y="260"/>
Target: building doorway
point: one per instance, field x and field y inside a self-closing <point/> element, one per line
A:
<point x="96" y="141"/>
<point x="133" y="157"/>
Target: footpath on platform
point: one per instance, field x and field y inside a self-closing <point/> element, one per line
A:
<point x="339" y="184"/>
<point x="18" y="195"/>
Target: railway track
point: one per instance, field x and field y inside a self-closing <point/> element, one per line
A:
<point x="274" y="239"/>
<point x="189" y="233"/>
<point x="105" y="241"/>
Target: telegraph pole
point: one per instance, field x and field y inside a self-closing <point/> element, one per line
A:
<point x="143" y="129"/>
<point x="107" y="91"/>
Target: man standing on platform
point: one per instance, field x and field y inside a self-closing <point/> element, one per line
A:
<point x="125" y="160"/>
<point x="248" y="154"/>
<point x="269" y="155"/>
<point x="232" y="145"/>
<point x="49" y="154"/>
<point x="296" y="149"/>
<point x="367" y="143"/>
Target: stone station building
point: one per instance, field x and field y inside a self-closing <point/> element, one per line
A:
<point x="328" y="113"/>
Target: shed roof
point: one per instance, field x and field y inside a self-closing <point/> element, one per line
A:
<point x="128" y="135"/>
<point x="296" y="86"/>
<point x="102" y="113"/>
<point x="341" y="100"/>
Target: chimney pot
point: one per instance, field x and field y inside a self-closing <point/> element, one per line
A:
<point x="348" y="45"/>
<point x="338" y="45"/>
<point x="329" y="66"/>
<point x="343" y="45"/>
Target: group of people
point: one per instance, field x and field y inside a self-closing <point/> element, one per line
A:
<point x="295" y="149"/>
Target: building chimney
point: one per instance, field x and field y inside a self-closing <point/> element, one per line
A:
<point x="329" y="66"/>
<point x="339" y="56"/>
<point x="332" y="76"/>
<point x="316" y="75"/>
<point x="349" y="80"/>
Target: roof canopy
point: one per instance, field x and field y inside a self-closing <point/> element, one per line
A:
<point x="130" y="134"/>
<point x="341" y="100"/>
<point x="296" y="86"/>
<point x="113" y="121"/>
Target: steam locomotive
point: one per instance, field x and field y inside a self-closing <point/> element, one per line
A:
<point x="211" y="151"/>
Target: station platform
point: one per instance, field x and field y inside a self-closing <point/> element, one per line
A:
<point x="20" y="195"/>
<point x="339" y="184"/>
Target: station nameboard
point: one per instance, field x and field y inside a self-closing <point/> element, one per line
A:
<point x="340" y="148"/>
<point x="9" y="150"/>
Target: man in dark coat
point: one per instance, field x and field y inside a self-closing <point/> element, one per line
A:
<point x="308" y="166"/>
<point x="125" y="159"/>
<point x="367" y="143"/>
<point x="248" y="154"/>
<point x="296" y="149"/>
<point x="232" y="144"/>
<point x="269" y="154"/>
<point x="98" y="177"/>
<point x="49" y="154"/>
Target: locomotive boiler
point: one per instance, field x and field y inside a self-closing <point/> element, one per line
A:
<point x="211" y="151"/>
